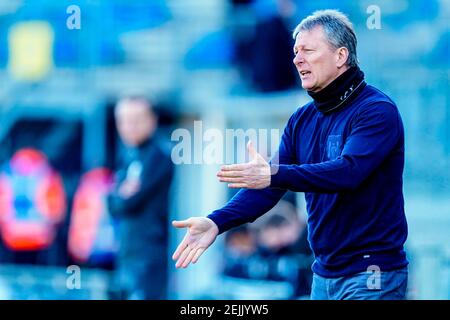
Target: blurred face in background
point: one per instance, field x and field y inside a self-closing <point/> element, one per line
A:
<point x="317" y="62"/>
<point x="241" y="243"/>
<point x="135" y="121"/>
<point x="290" y="232"/>
<point x="270" y="237"/>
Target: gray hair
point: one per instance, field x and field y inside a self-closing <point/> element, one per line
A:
<point x="338" y="29"/>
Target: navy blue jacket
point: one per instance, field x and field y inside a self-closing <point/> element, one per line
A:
<point x="349" y="163"/>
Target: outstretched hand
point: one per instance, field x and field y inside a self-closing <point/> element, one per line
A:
<point x="252" y="175"/>
<point x="200" y="234"/>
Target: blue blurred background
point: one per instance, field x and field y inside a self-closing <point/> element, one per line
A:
<point x="229" y="64"/>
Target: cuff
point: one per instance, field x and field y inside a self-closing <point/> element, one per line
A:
<point x="216" y="219"/>
<point x="278" y="173"/>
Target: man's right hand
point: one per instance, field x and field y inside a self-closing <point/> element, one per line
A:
<point x="200" y="235"/>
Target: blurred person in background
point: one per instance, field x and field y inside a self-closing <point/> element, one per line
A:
<point x="240" y="248"/>
<point x="275" y="248"/>
<point x="140" y="201"/>
<point x="282" y="242"/>
<point x="345" y="150"/>
<point x="262" y="40"/>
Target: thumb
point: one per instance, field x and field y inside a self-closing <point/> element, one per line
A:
<point x="181" y="224"/>
<point x="251" y="150"/>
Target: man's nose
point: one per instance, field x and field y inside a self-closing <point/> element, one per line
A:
<point x="298" y="59"/>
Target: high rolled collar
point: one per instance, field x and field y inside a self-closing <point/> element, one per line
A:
<point x="340" y="91"/>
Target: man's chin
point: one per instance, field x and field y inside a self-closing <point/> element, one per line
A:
<point x="310" y="88"/>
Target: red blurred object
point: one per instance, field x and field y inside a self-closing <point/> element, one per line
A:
<point x="90" y="217"/>
<point x="32" y="201"/>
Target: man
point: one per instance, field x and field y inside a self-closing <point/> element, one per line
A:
<point x="345" y="150"/>
<point x="141" y="204"/>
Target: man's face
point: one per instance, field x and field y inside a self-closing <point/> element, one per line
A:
<point x="135" y="122"/>
<point x="317" y="62"/>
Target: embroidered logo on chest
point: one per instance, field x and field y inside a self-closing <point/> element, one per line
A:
<point x="333" y="146"/>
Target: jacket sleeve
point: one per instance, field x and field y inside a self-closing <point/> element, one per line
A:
<point x="374" y="135"/>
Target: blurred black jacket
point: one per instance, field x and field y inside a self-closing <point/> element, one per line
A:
<point x="143" y="217"/>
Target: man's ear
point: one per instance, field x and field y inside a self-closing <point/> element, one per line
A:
<point x="342" y="56"/>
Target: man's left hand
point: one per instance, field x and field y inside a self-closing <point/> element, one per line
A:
<point x="251" y="175"/>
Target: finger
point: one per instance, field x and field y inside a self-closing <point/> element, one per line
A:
<point x="197" y="255"/>
<point x="189" y="258"/>
<point x="237" y="185"/>
<point x="234" y="180"/>
<point x="234" y="167"/>
<point x="181" y="224"/>
<point x="229" y="173"/>
<point x="251" y="150"/>
<point x="180" y="248"/>
<point x="183" y="257"/>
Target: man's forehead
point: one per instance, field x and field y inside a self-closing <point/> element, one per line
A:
<point x="308" y="36"/>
